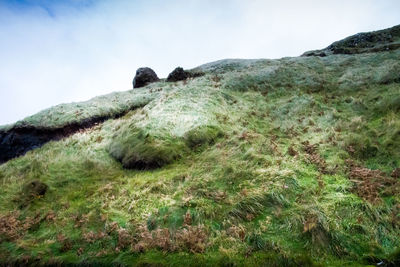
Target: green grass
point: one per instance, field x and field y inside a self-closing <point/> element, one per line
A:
<point x="215" y="171"/>
<point x="165" y="130"/>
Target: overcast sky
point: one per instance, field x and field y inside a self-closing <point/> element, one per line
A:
<point x="54" y="52"/>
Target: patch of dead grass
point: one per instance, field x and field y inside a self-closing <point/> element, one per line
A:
<point x="369" y="184"/>
<point x="12" y="227"/>
<point x="188" y="238"/>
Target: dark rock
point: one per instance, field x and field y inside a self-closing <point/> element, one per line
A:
<point x="15" y="143"/>
<point x="20" y="139"/>
<point x="362" y="40"/>
<point x="316" y="53"/>
<point x="178" y="74"/>
<point x="143" y="77"/>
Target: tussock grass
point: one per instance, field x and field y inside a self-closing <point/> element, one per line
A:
<point x="169" y="126"/>
<point x="253" y="205"/>
<point x="140" y="150"/>
<point x="202" y="135"/>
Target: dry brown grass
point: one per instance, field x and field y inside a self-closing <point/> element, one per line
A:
<point x="80" y="220"/>
<point x="187" y="219"/>
<point x="66" y="243"/>
<point x="125" y="238"/>
<point x="159" y="238"/>
<point x="92" y="237"/>
<point x="396" y="173"/>
<point x="238" y="232"/>
<point x="368" y="183"/>
<point x="12" y="227"/>
<point x="189" y="238"/>
<point x="292" y="152"/>
<point x="315" y="158"/>
<point x="193" y="238"/>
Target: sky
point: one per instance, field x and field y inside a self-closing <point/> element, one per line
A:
<point x="60" y="51"/>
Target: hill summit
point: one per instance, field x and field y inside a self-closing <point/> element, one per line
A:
<point x="255" y="162"/>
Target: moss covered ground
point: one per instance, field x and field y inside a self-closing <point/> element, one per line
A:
<point x="289" y="162"/>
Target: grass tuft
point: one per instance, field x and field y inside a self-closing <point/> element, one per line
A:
<point x="202" y="135"/>
<point x="140" y="150"/>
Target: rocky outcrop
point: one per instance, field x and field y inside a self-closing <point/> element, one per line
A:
<point x="18" y="140"/>
<point x="366" y="42"/>
<point x="143" y="77"/>
<point x="63" y="120"/>
<point x="178" y="74"/>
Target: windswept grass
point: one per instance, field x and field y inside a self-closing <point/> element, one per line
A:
<point x="258" y="162"/>
<point x="107" y="106"/>
<point x="169" y="126"/>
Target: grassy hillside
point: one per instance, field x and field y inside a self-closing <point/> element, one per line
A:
<point x="289" y="162"/>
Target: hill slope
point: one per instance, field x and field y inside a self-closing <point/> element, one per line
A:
<point x="288" y="162"/>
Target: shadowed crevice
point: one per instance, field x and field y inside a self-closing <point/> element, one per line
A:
<point x="18" y="140"/>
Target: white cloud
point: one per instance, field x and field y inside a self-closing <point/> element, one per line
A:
<point x="69" y="52"/>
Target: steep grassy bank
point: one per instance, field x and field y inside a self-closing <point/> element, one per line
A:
<point x="290" y="162"/>
<point x="60" y="121"/>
